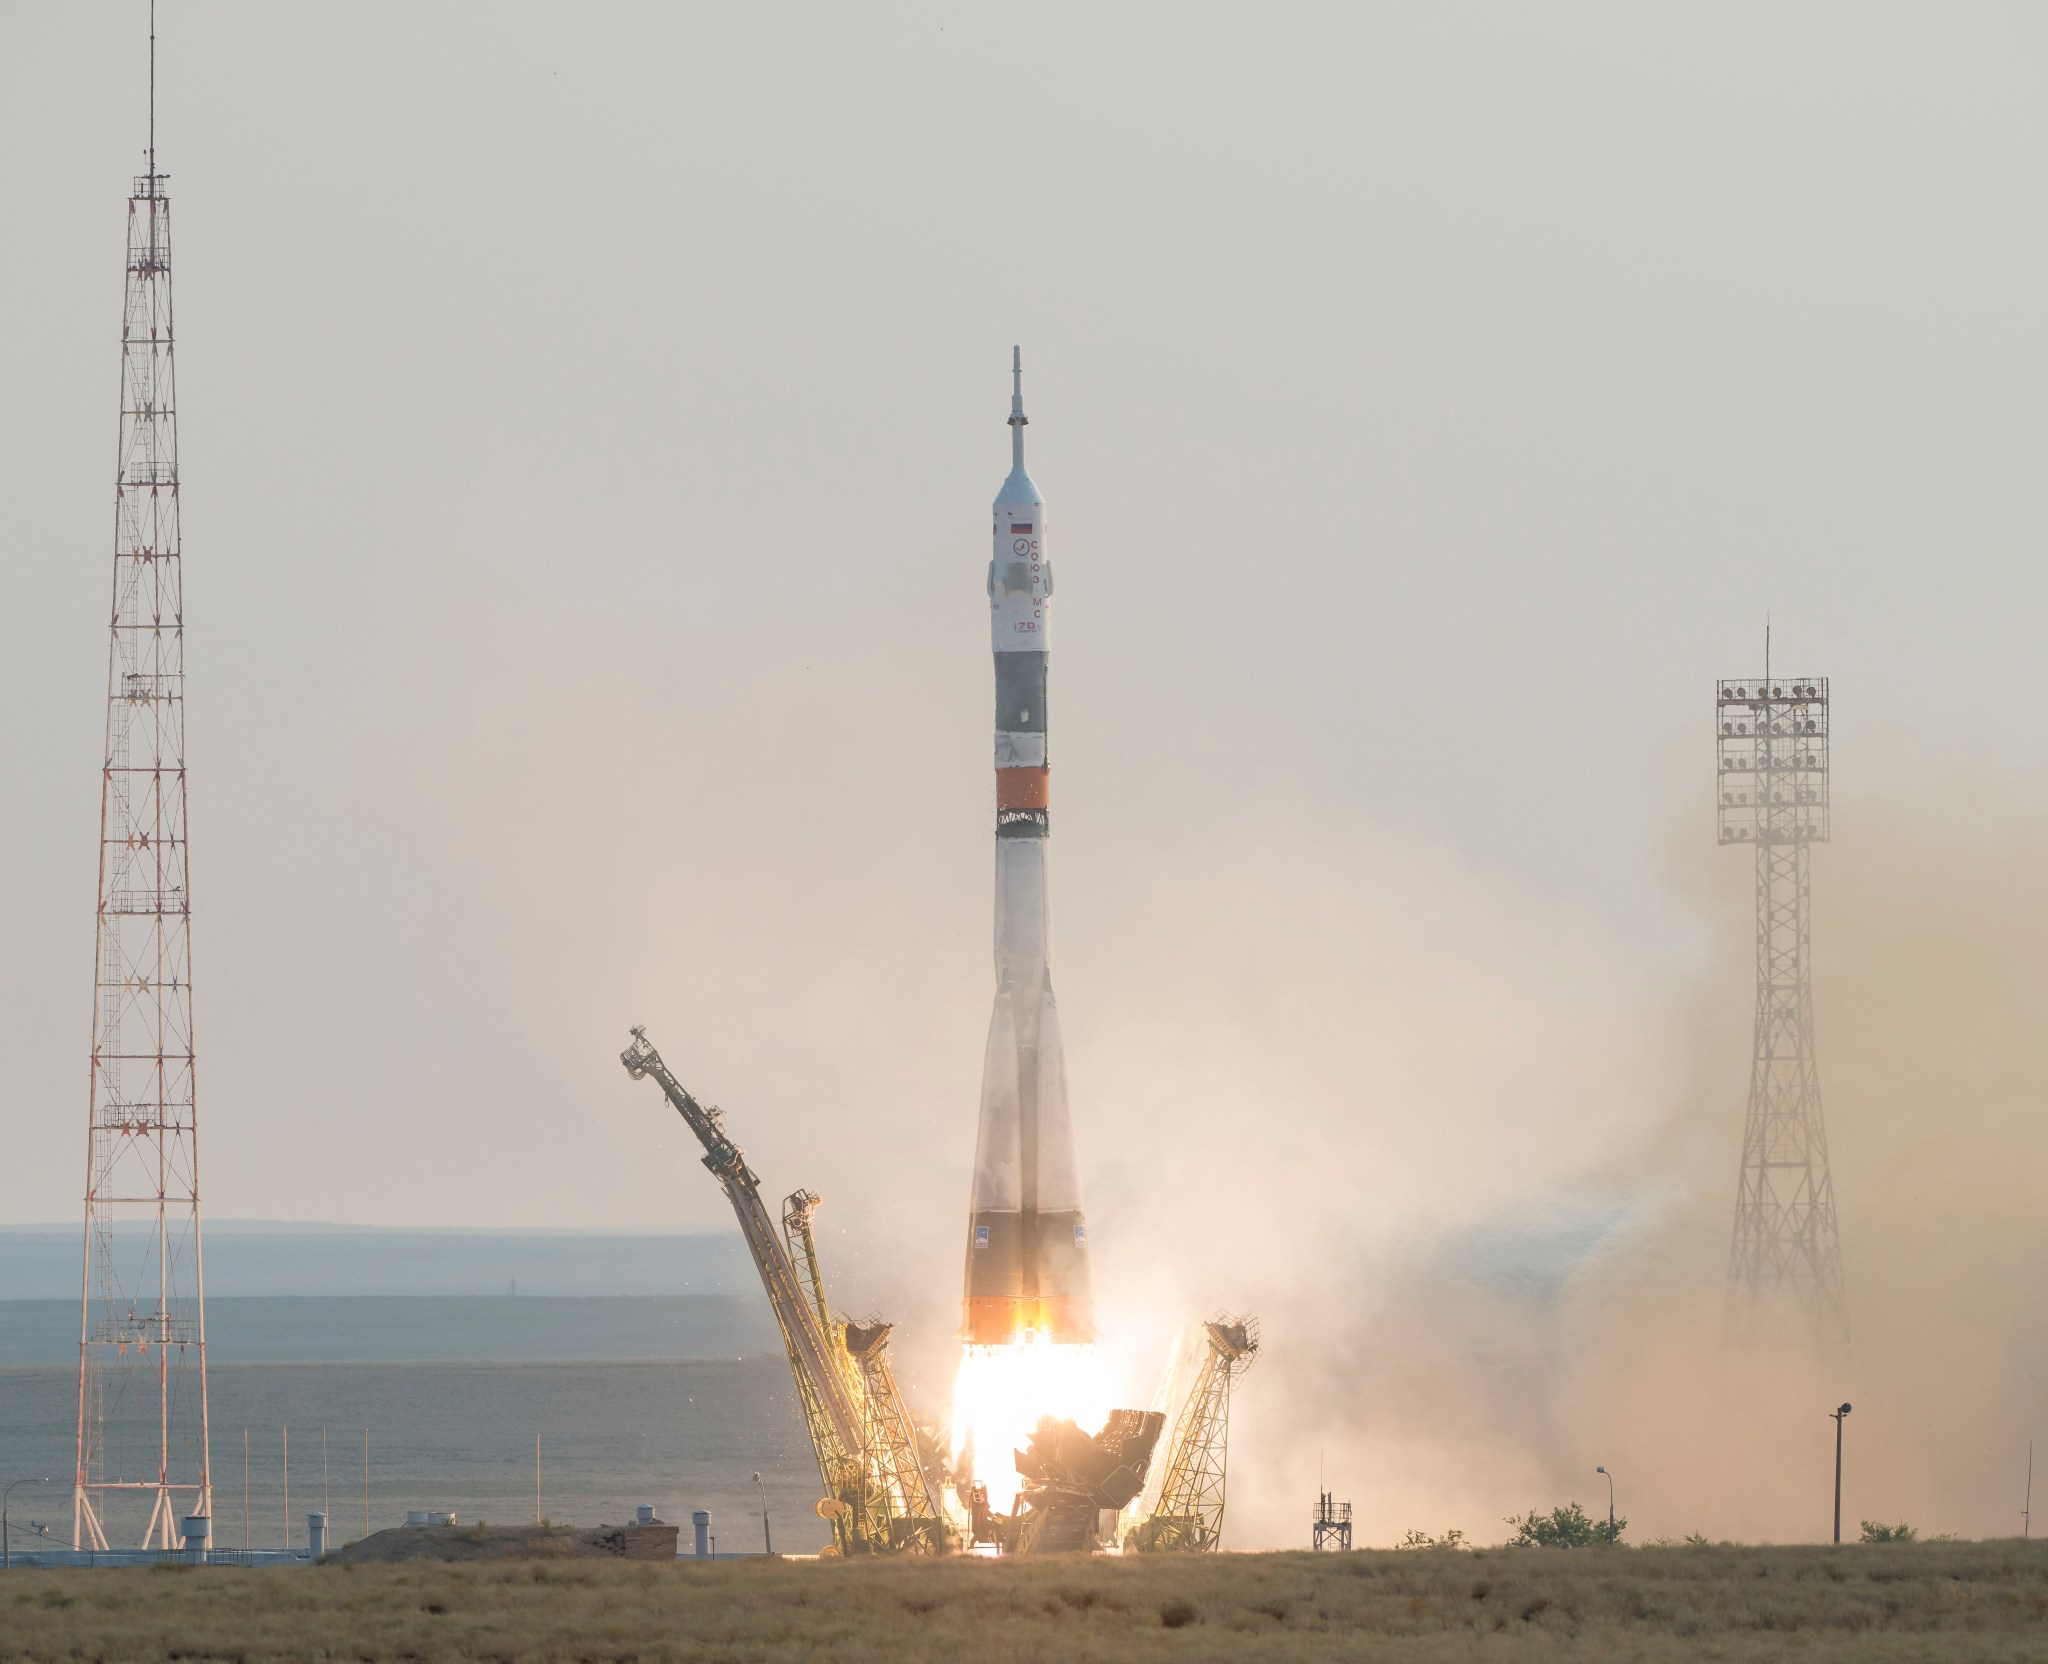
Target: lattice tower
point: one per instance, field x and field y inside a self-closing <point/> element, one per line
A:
<point x="797" y="1235"/>
<point x="143" y="1458"/>
<point x="894" y="1462"/>
<point x="1785" y="1263"/>
<point x="1189" y="1514"/>
<point x="883" y="1499"/>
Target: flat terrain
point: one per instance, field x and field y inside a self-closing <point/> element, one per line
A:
<point x="471" y="1543"/>
<point x="1933" y="1601"/>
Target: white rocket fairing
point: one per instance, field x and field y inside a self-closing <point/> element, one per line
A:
<point x="1027" y="1244"/>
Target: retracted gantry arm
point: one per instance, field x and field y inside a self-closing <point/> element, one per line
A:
<point x="721" y="1154"/>
<point x="810" y="1347"/>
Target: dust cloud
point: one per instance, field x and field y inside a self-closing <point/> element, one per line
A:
<point x="1478" y="1184"/>
<point x="1469" y="1161"/>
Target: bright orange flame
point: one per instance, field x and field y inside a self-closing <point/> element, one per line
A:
<point x="1005" y="1391"/>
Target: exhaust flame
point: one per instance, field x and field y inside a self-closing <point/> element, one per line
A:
<point x="1004" y="1392"/>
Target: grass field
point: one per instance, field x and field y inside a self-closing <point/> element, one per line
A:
<point x="1934" y="1601"/>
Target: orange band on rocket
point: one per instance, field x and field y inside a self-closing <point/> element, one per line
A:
<point x="1023" y="788"/>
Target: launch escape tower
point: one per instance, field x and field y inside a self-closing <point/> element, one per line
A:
<point x="1786" y="1261"/>
<point x="143" y="1460"/>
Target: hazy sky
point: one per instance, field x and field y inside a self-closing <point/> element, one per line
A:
<point x="589" y="417"/>
<point x="589" y="420"/>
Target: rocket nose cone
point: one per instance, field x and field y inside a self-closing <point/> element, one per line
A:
<point x="1019" y="491"/>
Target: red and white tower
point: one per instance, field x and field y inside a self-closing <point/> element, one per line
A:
<point x="142" y="1440"/>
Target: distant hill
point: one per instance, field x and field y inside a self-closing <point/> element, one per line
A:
<point x="399" y="1329"/>
<point x="246" y="1257"/>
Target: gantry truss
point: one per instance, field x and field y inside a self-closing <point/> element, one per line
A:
<point x="1189" y="1514"/>
<point x="880" y="1496"/>
<point x="886" y="1473"/>
<point x="1785" y="1262"/>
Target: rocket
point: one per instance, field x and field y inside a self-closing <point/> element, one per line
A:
<point x="1027" y="1243"/>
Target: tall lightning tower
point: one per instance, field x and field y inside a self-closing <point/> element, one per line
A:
<point x="1785" y="1264"/>
<point x="143" y="1461"/>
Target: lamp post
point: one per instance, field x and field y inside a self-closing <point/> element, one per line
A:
<point x="767" y="1543"/>
<point x="1612" y="1534"/>
<point x="1837" y="1416"/>
<point x="6" y="1547"/>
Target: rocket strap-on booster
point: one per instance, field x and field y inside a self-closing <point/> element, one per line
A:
<point x="1027" y="1244"/>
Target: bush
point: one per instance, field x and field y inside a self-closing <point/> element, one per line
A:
<point x="1176" y="1614"/>
<point x="1567" y="1527"/>
<point x="1875" y="1531"/>
<point x="1453" y="1538"/>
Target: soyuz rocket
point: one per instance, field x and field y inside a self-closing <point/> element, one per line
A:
<point x="1027" y="1243"/>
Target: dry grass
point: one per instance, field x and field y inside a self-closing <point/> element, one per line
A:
<point x="1933" y="1601"/>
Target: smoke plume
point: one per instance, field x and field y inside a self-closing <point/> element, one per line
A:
<point x="1479" y="1188"/>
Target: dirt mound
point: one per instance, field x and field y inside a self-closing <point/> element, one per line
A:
<point x="513" y="1542"/>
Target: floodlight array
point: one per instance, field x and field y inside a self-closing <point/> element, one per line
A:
<point x="1772" y="749"/>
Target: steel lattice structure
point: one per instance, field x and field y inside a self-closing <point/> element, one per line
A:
<point x="891" y="1474"/>
<point x="1332" y="1526"/>
<point x="142" y="1433"/>
<point x="889" y="1437"/>
<point x="870" y="1506"/>
<point x="1785" y="1262"/>
<point x="1189" y="1515"/>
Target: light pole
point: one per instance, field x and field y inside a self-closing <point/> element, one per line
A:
<point x="6" y="1548"/>
<point x="767" y="1543"/>
<point x="1838" y="1415"/>
<point x="1612" y="1534"/>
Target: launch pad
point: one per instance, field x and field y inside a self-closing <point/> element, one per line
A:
<point x="1071" y="1480"/>
<point x="887" y="1488"/>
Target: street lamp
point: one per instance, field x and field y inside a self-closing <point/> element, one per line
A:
<point x="767" y="1543"/>
<point x="6" y="1548"/>
<point x="1612" y="1534"/>
<point x="1837" y="1415"/>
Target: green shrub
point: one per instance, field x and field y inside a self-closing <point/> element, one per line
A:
<point x="1567" y="1527"/>
<point x="1875" y="1531"/>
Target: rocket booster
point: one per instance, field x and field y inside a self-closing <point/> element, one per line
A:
<point x="1027" y="1243"/>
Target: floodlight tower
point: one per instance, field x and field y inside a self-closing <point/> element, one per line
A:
<point x="143" y="1460"/>
<point x="1786" y="1258"/>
